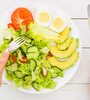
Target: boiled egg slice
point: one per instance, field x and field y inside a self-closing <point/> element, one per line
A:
<point x="43" y="17"/>
<point x="57" y="24"/>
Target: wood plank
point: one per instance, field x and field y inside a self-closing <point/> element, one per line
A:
<point x="75" y="8"/>
<point x="68" y="92"/>
<point x="83" y="28"/>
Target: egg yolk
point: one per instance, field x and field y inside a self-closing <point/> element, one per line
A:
<point x="44" y="17"/>
<point x="58" y="23"/>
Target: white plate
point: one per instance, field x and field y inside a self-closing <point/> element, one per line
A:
<point x="68" y="74"/>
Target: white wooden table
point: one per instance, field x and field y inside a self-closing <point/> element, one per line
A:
<point x="79" y="87"/>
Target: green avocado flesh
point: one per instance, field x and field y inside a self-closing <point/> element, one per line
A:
<point x="64" y="45"/>
<point x="64" y="54"/>
<point x="64" y="65"/>
<point x="64" y="35"/>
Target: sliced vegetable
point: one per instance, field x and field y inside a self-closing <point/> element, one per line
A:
<point x="32" y="64"/>
<point x="32" y="55"/>
<point x="10" y="25"/>
<point x="52" y="84"/>
<point x="19" y="74"/>
<point x="57" y="72"/>
<point x="21" y="16"/>
<point x="36" y="86"/>
<point x="10" y="76"/>
<point x="25" y="69"/>
<point x="26" y="85"/>
<point x="18" y="82"/>
<point x="12" y="67"/>
<point x="32" y="49"/>
<point x="23" y="29"/>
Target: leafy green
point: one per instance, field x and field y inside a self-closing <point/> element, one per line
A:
<point x="23" y="29"/>
<point x="35" y="50"/>
<point x="19" y="74"/>
<point x="25" y="69"/>
<point x="57" y="72"/>
<point x="26" y="85"/>
<point x="12" y="67"/>
<point x="47" y="81"/>
<point x="10" y="75"/>
<point x="18" y="82"/>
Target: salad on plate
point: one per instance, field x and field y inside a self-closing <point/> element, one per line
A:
<point x="48" y="51"/>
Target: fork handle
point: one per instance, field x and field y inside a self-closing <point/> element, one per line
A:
<point x="3" y="62"/>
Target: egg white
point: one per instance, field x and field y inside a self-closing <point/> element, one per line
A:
<point x="51" y="26"/>
<point x="40" y="10"/>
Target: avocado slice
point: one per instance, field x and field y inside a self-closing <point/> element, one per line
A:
<point x="67" y="53"/>
<point x="64" y="65"/>
<point x="64" y="45"/>
<point x="64" y="35"/>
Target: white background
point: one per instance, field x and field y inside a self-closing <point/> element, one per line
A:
<point x="79" y="87"/>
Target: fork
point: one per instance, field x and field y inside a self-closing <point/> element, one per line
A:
<point x="15" y="44"/>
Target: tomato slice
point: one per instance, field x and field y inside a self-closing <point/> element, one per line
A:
<point x="21" y="16"/>
<point x="10" y="25"/>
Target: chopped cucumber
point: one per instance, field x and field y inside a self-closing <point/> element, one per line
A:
<point x="19" y="74"/>
<point x="32" y="49"/>
<point x="12" y="67"/>
<point x="32" y="64"/>
<point x="32" y="55"/>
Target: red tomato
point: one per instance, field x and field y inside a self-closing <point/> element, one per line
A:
<point x="21" y="16"/>
<point x="10" y="25"/>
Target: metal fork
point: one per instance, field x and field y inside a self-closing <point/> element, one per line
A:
<point x="15" y="44"/>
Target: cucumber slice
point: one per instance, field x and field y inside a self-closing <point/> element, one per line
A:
<point x="32" y="49"/>
<point x="19" y="74"/>
<point x="12" y="67"/>
<point x="32" y="55"/>
<point x="32" y="64"/>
